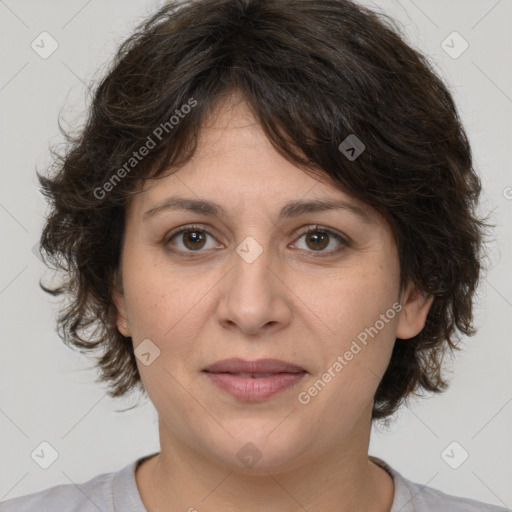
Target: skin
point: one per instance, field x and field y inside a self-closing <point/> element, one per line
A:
<point x="287" y="304"/>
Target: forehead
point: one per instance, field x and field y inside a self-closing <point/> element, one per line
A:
<point x="235" y="168"/>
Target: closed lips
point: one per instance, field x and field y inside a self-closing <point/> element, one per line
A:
<point x="254" y="375"/>
<point x="258" y="368"/>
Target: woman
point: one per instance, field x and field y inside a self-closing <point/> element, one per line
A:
<point x="249" y="225"/>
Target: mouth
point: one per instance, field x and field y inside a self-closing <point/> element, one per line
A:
<point x="252" y="381"/>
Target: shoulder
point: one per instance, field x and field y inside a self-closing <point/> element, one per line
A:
<point x="415" y="497"/>
<point x="91" y="496"/>
<point x="431" y="499"/>
<point x="427" y="498"/>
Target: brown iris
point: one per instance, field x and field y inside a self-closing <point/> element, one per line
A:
<point x="317" y="237"/>
<point x="196" y="238"/>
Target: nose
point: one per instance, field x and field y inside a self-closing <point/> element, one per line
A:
<point x="254" y="297"/>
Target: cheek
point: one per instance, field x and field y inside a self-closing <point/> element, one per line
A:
<point x="156" y="299"/>
<point x="354" y="301"/>
<point x="160" y="309"/>
<point x="150" y="302"/>
<point x="167" y="308"/>
<point x="360" y="310"/>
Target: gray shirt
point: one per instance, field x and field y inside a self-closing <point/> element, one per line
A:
<point x="117" y="492"/>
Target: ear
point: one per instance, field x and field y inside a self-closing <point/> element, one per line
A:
<point x="415" y="308"/>
<point x="119" y="300"/>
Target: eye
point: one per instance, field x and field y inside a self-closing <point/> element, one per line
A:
<point x="192" y="238"/>
<point x="317" y="238"/>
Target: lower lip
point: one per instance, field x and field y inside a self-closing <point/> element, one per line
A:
<point x="252" y="389"/>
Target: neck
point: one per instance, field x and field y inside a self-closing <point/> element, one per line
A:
<point x="337" y="480"/>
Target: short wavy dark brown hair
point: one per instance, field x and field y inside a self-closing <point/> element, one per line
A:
<point x="313" y="73"/>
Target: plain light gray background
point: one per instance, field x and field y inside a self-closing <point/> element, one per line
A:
<point x="47" y="392"/>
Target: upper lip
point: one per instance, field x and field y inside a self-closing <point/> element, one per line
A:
<point x="237" y="365"/>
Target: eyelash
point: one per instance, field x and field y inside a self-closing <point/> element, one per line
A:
<point x="310" y="229"/>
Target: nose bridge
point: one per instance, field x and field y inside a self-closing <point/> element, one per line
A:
<point x="252" y="274"/>
<point x="252" y="294"/>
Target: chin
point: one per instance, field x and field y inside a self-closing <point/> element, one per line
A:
<point x="261" y="449"/>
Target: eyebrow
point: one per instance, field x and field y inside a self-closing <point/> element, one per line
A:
<point x="289" y="210"/>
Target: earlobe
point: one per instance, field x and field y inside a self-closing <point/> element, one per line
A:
<point x="415" y="308"/>
<point x="119" y="302"/>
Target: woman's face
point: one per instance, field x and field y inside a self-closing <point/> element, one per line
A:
<point x="249" y="283"/>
